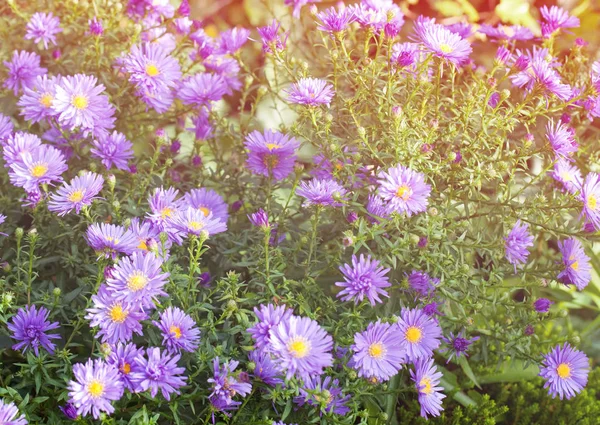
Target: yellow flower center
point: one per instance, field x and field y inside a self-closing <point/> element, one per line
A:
<point x="142" y="245"/>
<point x="376" y="350"/>
<point x="413" y="334"/>
<point x="80" y="102"/>
<point x="272" y="146"/>
<point x="445" y="48"/>
<point x="126" y="368"/>
<point x="563" y="370"/>
<point x="592" y="202"/>
<point x="196" y="225"/>
<point x="39" y="170"/>
<point x="204" y="211"/>
<point x="76" y="196"/>
<point x="566" y="176"/>
<point x="176" y="331"/>
<point x="137" y="281"/>
<point x="95" y="388"/>
<point x="575" y="265"/>
<point x="166" y="212"/>
<point x="46" y="100"/>
<point x="298" y="347"/>
<point x="425" y="385"/>
<point x="152" y="70"/>
<point x="509" y="31"/>
<point x="117" y="314"/>
<point x="403" y="192"/>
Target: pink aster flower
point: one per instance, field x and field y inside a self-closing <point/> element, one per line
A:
<point x="271" y="153"/>
<point x="43" y="27"/>
<point x="420" y="333"/>
<point x="562" y="139"/>
<point x="404" y="190"/>
<point x="311" y="92"/>
<point x="590" y="195"/>
<point x="566" y="173"/>
<point x="335" y="20"/>
<point x="231" y="40"/>
<point x="556" y="18"/>
<point x="442" y="42"/>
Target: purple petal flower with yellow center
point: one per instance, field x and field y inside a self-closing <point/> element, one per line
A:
<point x="138" y="280"/>
<point x="441" y="42"/>
<point x="364" y="278"/>
<point x="404" y="190"/>
<point x="232" y="40"/>
<point x="6" y="128"/>
<point x="504" y="32"/>
<point x="192" y="221"/>
<point x="19" y="145"/>
<point x="420" y="333"/>
<point x="568" y="175"/>
<point x="269" y="317"/>
<point x="164" y="206"/>
<point x="150" y="67"/>
<point x="324" y="192"/>
<point x="95" y="387"/>
<point x="516" y="244"/>
<point x="29" y="327"/>
<point x="270" y="37"/>
<point x="590" y="195"/>
<point x="300" y="347"/>
<point x="577" y="269"/>
<point x="556" y="18"/>
<point x="123" y="358"/>
<point x="271" y="153"/>
<point x="311" y="92"/>
<point x="158" y="371"/>
<point x="108" y="240"/>
<point x="179" y="330"/>
<point x="422" y="283"/>
<point x="542" y="305"/>
<point x="36" y="101"/>
<point x="457" y="345"/>
<point x="43" y="27"/>
<point x="379" y="351"/>
<point x="335" y="20"/>
<point x="9" y="414"/>
<point x="264" y="368"/>
<point x="209" y="202"/>
<point x="324" y="393"/>
<point x="427" y="378"/>
<point x="23" y="69"/>
<point x="202" y="89"/>
<point x="260" y="219"/>
<point x="113" y="150"/>
<point x="225" y="386"/>
<point x="565" y="370"/>
<point x="44" y="165"/>
<point x="80" y="192"/>
<point x="147" y="235"/>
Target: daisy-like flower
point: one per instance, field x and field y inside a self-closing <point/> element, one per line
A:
<point x="138" y="279"/>
<point x="457" y="345"/>
<point x="427" y="380"/>
<point x="326" y="192"/>
<point x="232" y="40"/>
<point x="9" y="414"/>
<point x="192" y="221"/>
<point x="462" y="29"/>
<point x="541" y="74"/>
<point x="269" y="317"/>
<point x="517" y="244"/>
<point x="113" y="149"/>
<point x="36" y="102"/>
<point x="577" y="269"/>
<point x="208" y="202"/>
<point x="96" y="385"/>
<point x="179" y="330"/>
<point x="148" y="238"/>
<point x="271" y="153"/>
<point x="311" y="92"/>
<point x="420" y="333"/>
<point x="225" y="385"/>
<point x="324" y="393"/>
<point x="150" y="67"/>
<point x="270" y="37"/>
<point x="164" y="206"/>
<point x="376" y="209"/>
<point x="80" y="104"/>
<point x="23" y="69"/>
<point x="505" y="32"/>
<point x="158" y="371"/>
<point x="407" y="56"/>
<point x="422" y="283"/>
<point x="205" y="45"/>
<point x="568" y="175"/>
<point x="335" y="20"/>
<point x="19" y="145"/>
<point x="404" y="190"/>
<point x="441" y="42"/>
<point x="228" y="68"/>
<point x="364" y="278"/>
<point x="379" y="352"/>
<point x="44" y="165"/>
<point x="556" y="18"/>
<point x="79" y="193"/>
<point x="117" y="319"/>
<point x="590" y="195"/>
<point x="108" y="240"/>
<point x="264" y="368"/>
<point x="562" y="139"/>
<point x="301" y="347"/>
<point x="6" y="127"/>
<point x="43" y="27"/>
<point x="202" y="89"/>
<point x="565" y="370"/>
<point x="123" y="358"/>
<point x="29" y="327"/>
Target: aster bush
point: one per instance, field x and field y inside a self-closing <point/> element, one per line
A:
<point x="348" y="214"/>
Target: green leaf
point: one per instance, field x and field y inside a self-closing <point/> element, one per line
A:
<point x="464" y="364"/>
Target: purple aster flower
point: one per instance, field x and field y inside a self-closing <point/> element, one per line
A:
<point x="457" y="345"/>
<point x="361" y="13"/>
<point x="96" y="385"/>
<point x="422" y="283"/>
<point x="442" y="42"/>
<point x="9" y="414"/>
<point x="18" y="146"/>
<point x="79" y="193"/>
<point x="226" y="67"/>
<point x="300" y="346"/>
<point x="148" y="237"/>
<point x="542" y="305"/>
<point x="427" y="378"/>
<point x="192" y="221"/>
<point x="364" y="278"/>
<point x="95" y="26"/>
<point x="164" y="206"/>
<point x="541" y="74"/>
<point x="326" y="192"/>
<point x="556" y="18"/>
<point x="202" y="89"/>
<point x="376" y="209"/>
<point x="260" y="219"/>
<point x="204" y="43"/>
<point x="270" y="37"/>
<point x="209" y="202"/>
<point x="225" y="385"/>
<point x="113" y="150"/>
<point x="138" y="279"/>
<point x="568" y="175"/>
<point x="271" y="153"/>
<point x="268" y="317"/>
<point x="577" y="269"/>
<point x="379" y="352"/>
<point x="405" y="190"/>
<point x="179" y="330"/>
<point x="462" y="29"/>
<point x="420" y="333"/>
<point x="109" y="239"/>
<point x="117" y="319"/>
<point x="44" y="165"/>
<point x="407" y="55"/>
<point x="43" y="27"/>
<point x="264" y="368"/>
<point x="6" y="127"/>
<point x="231" y="40"/>
<point x="123" y="358"/>
<point x="23" y="70"/>
<point x="503" y="55"/>
<point x="516" y="244"/>
<point x="335" y="20"/>
<point x="431" y="309"/>
<point x="311" y="92"/>
<point x="69" y="411"/>
<point x="562" y="139"/>
<point x="36" y="101"/>
<point x="504" y="32"/>
<point x="324" y="393"/>
<point x="590" y="195"/>
<point x="158" y="371"/>
<point x="493" y="101"/>
<point x="203" y="128"/>
<point x="29" y="327"/>
<point x="565" y="370"/>
<point x="80" y="104"/>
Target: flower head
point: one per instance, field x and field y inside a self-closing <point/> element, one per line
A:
<point x="324" y="393"/>
<point x="192" y="221"/>
<point x="542" y="305"/>
<point x="43" y="165"/>
<point x="271" y="153"/>
<point x="427" y="378"/>
<point x="209" y="202"/>
<point x="422" y="283"/>
<point x="516" y="244"/>
<point x="335" y="20"/>
<point x="269" y="317"/>
<point x="504" y="32"/>
<point x="568" y="175"/>
<point x="364" y="278"/>
<point x="179" y="330"/>
<point x="311" y="92"/>
<point x="202" y="89"/>
<point x="442" y="42"/>
<point x="326" y="192"/>
<point x="80" y="192"/>
<point x="29" y="327"/>
<point x="565" y="370"/>
<point x="590" y="195"/>
<point x="23" y="69"/>
<point x="577" y="269"/>
<point x="43" y="27"/>
<point x="226" y="385"/>
<point x="379" y="351"/>
<point x="109" y="239"/>
<point x="539" y="73"/>
<point x="9" y="414"/>
<point x="562" y="139"/>
<point x="458" y="345"/>
<point x="260" y="218"/>
<point x="231" y="40"/>
<point x="164" y="206"/>
<point x="264" y="368"/>
<point x="113" y="149"/>
<point x="19" y="145"/>
<point x="420" y="333"/>
<point x="556" y="18"/>
<point x="270" y="37"/>
<point x="404" y="190"/>
<point x="36" y="101"/>
<point x="95" y="26"/>
<point x="158" y="371"/>
<point x="123" y="358"/>
<point x="377" y="209"/>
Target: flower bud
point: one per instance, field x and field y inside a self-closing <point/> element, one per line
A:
<point x="112" y="180"/>
<point x="575" y="340"/>
<point x="19" y="233"/>
<point x="231" y="305"/>
<point x="262" y="90"/>
<point x="361" y="132"/>
<point x="433" y="211"/>
<point x="56" y="292"/>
